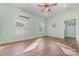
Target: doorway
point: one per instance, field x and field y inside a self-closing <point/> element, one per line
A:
<point x="70" y="33"/>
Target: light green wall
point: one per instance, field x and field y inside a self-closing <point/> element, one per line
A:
<point x="59" y="19"/>
<point x="8" y="15"/>
<point x="45" y="28"/>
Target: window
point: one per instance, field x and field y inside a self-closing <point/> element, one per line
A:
<point x="41" y="27"/>
<point x="20" y="27"/>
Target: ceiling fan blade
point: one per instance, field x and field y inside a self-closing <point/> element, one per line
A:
<point x="42" y="10"/>
<point x="49" y="10"/>
<point x="54" y="4"/>
<point x="41" y="5"/>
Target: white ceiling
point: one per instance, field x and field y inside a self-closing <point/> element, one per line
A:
<point x="32" y="7"/>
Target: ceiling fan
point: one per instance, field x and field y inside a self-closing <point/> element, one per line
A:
<point x="47" y="6"/>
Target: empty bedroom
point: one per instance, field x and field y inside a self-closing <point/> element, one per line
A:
<point x="39" y="29"/>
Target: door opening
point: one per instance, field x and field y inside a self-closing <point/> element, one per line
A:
<point x="70" y="33"/>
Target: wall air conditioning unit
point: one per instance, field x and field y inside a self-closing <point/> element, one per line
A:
<point x="23" y="16"/>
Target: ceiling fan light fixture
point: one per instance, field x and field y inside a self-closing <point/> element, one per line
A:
<point x="45" y="13"/>
<point x="47" y="7"/>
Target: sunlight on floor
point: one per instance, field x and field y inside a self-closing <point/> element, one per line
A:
<point x="67" y="50"/>
<point x="33" y="45"/>
<point x="3" y="47"/>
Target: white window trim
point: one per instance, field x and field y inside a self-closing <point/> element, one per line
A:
<point x="23" y="22"/>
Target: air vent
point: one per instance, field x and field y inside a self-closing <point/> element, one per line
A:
<point x="24" y="16"/>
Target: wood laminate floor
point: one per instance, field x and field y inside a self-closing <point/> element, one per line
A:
<point x="38" y="47"/>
